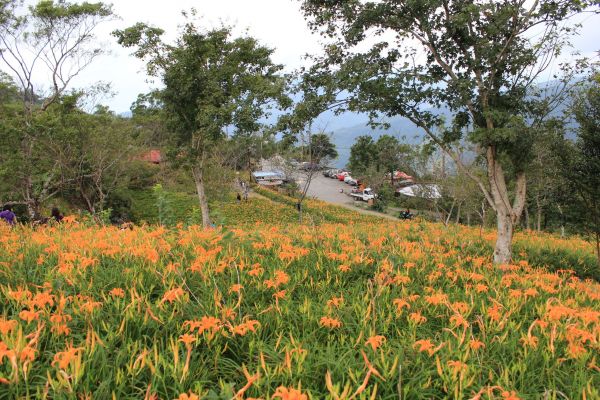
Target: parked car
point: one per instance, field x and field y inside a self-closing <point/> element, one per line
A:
<point x="352" y="182"/>
<point x="364" y="195"/>
<point x="331" y="173"/>
<point x="307" y="166"/>
<point x="342" y="175"/>
<point x="347" y="179"/>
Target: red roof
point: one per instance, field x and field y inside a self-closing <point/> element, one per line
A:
<point x="153" y="156"/>
<point x="401" y="175"/>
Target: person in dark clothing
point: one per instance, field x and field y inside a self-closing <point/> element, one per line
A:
<point x="406" y="214"/>
<point x="56" y="215"/>
<point x="8" y="216"/>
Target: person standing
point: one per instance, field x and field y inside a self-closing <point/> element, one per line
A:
<point x="8" y="216"/>
<point x="56" y="215"/>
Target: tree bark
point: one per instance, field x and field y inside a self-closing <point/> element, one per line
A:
<point x="202" y="199"/>
<point x="598" y="248"/>
<point x="538" y="213"/>
<point x="447" y="220"/>
<point x="503" y="250"/>
<point x="508" y="214"/>
<point x="562" y="221"/>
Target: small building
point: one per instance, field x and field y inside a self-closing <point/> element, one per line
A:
<point x="152" y="156"/>
<point x="268" y="178"/>
<point x="424" y="191"/>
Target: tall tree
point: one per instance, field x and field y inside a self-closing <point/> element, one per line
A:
<point x="479" y="59"/>
<point x="321" y="148"/>
<point x="212" y="81"/>
<point x="390" y="155"/>
<point x="584" y="168"/>
<point x="362" y="154"/>
<point x="47" y="44"/>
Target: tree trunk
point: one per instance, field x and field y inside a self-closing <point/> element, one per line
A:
<point x="447" y="221"/>
<point x="458" y="213"/>
<point x="562" y="221"/>
<point x="538" y="213"/>
<point x="443" y="165"/>
<point x="503" y="250"/>
<point x="598" y="248"/>
<point x="202" y="199"/>
<point x="507" y="214"/>
<point x="527" y="225"/>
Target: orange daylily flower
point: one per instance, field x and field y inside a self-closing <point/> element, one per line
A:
<point x="173" y="295"/>
<point x="375" y="341"/>
<point x="280" y="294"/>
<point x="69" y="219"/>
<point x="512" y="395"/>
<point x="289" y="394"/>
<point x="417" y="318"/>
<point x="187" y="339"/>
<point x="65" y="358"/>
<point x="6" y="352"/>
<point x="436" y="299"/>
<point x="400" y="304"/>
<point x="494" y="312"/>
<point x="476" y="344"/>
<point x="335" y="302"/>
<point x="257" y="271"/>
<point x="425" y="345"/>
<point x="243" y="328"/>
<point x="330" y="322"/>
<point x="117" y="292"/>
<point x="344" y="268"/>
<point x="7" y="326"/>
<point x="457" y="366"/>
<point x="459" y="320"/>
<point x="205" y="324"/>
<point x="29" y="315"/>
<point x="188" y="396"/>
<point x="40" y="300"/>
<point x="236" y="288"/>
<point x="27" y="354"/>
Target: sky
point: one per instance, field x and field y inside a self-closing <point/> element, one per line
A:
<point x="278" y="24"/>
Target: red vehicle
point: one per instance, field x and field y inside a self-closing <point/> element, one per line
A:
<point x="342" y="175"/>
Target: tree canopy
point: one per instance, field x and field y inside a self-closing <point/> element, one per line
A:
<point x="480" y="60"/>
<point x="213" y="82"/>
<point x="321" y="148"/>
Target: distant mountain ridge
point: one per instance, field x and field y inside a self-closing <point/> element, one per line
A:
<point x="346" y="127"/>
<point x="399" y="127"/>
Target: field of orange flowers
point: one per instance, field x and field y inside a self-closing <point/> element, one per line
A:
<point x="364" y="310"/>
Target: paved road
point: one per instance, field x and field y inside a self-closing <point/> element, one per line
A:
<point x="328" y="190"/>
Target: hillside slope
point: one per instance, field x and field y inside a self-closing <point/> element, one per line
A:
<point x="264" y="307"/>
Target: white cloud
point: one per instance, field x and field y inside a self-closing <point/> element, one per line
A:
<point x="276" y="23"/>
